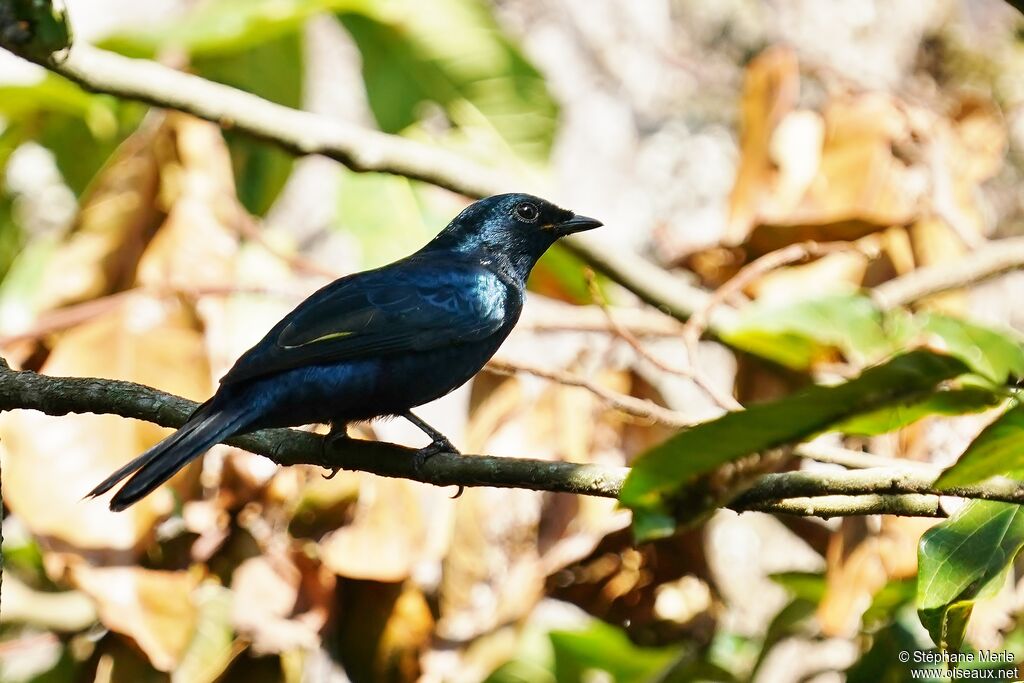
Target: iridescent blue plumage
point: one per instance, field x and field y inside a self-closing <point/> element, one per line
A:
<point x="375" y="343"/>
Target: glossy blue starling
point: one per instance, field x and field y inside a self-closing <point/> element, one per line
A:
<point x="376" y="343"/>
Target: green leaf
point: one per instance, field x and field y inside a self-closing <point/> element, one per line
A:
<point x="808" y="586"/>
<point x="659" y="473"/>
<point x="961" y="560"/>
<point x="225" y="26"/>
<point x="80" y="129"/>
<point x="606" y="648"/>
<point x="274" y="70"/>
<point x="942" y="402"/>
<point x="882" y="664"/>
<point x="799" y="334"/>
<point x="477" y="94"/>
<point x="995" y="355"/>
<point x="998" y="450"/>
<point x="885" y="603"/>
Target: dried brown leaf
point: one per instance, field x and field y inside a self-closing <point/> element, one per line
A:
<point x="51" y="462"/>
<point x="154" y="608"/>
<point x="386" y="537"/>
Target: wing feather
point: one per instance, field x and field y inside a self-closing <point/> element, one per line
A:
<point x="406" y="307"/>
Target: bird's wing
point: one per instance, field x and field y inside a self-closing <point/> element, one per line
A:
<point x="415" y="307"/>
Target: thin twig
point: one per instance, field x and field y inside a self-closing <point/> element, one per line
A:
<point x="548" y="315"/>
<point x="630" y="405"/>
<point x="246" y="227"/>
<point x="851" y="459"/>
<point x="76" y="314"/>
<point x="690" y="372"/>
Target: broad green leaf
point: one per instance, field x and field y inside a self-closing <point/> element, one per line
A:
<point x="808" y="586"/>
<point x="996" y="355"/>
<point x="961" y="560"/>
<point x="670" y="466"/>
<point x="59" y="96"/>
<point x="881" y="663"/>
<point x="225" y="26"/>
<point x="477" y="94"/>
<point x="801" y="333"/>
<point x="273" y="70"/>
<point x="80" y="129"/>
<point x="999" y="449"/>
<point x="607" y="648"/>
<point x="942" y="402"/>
<point x="893" y="596"/>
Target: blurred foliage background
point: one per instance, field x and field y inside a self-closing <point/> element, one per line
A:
<point x="150" y="246"/>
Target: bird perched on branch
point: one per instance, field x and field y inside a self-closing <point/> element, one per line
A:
<point x="375" y="343"/>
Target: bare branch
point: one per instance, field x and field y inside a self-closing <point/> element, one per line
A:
<point x="985" y="262"/>
<point x="630" y="405"/>
<point x="358" y="148"/>
<point x="907" y="505"/>
<point x="876" y="491"/>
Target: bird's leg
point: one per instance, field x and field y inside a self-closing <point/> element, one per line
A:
<point x="337" y="435"/>
<point x="439" y="443"/>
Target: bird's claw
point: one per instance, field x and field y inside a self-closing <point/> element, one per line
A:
<point x="334" y="472"/>
<point x="427" y="452"/>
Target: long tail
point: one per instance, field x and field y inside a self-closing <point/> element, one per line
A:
<point x="205" y="428"/>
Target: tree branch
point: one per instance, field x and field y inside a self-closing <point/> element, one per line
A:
<point x="358" y="148"/>
<point x="995" y="258"/>
<point x="871" y="491"/>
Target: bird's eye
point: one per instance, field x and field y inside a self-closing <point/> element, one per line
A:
<point x="527" y="211"/>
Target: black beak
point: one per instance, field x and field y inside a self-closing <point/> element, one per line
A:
<point x="577" y="224"/>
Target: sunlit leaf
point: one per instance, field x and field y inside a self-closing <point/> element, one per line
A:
<point x="81" y="129"/>
<point x="481" y="84"/>
<point x="670" y="466"/>
<point x="224" y="26"/>
<point x="801" y="333"/>
<point x="943" y="402"/>
<point x="808" y="586"/>
<point x="996" y="355"/>
<point x="999" y="449"/>
<point x="962" y="560"/>
<point x="273" y="70"/>
<point x="605" y="648"/>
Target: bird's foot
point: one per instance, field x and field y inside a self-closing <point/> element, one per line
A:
<point x="438" y="445"/>
<point x="331" y="442"/>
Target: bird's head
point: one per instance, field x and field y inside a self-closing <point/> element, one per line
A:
<point x="516" y="226"/>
